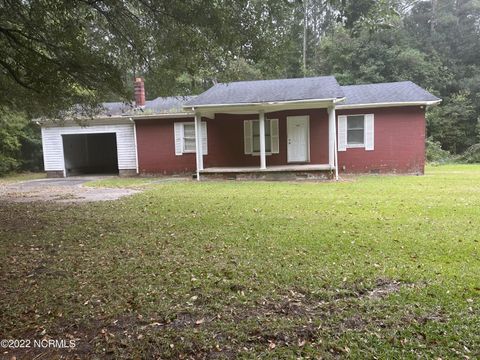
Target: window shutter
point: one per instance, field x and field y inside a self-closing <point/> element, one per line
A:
<point x="247" y="136"/>
<point x="178" y="131"/>
<point x="274" y="135"/>
<point x="369" y="132"/>
<point x="342" y="133"/>
<point x="204" y="138"/>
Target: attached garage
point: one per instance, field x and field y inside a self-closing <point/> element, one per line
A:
<point x="93" y="149"/>
<point x="90" y="154"/>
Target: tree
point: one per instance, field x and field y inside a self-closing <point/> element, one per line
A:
<point x="449" y="29"/>
<point x="377" y="57"/>
<point x="58" y="53"/>
<point x="20" y="147"/>
<point x="454" y="124"/>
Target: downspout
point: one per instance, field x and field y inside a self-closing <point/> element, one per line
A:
<point x="135" y="143"/>
<point x="198" y="142"/>
<point x="332" y="136"/>
<point x="335" y="139"/>
<point x="335" y="153"/>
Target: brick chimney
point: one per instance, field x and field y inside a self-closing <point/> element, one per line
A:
<point x="139" y="87"/>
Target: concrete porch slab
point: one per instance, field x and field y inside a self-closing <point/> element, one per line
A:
<point x="277" y="168"/>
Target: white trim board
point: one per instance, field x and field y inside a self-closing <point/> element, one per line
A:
<point x="387" y="104"/>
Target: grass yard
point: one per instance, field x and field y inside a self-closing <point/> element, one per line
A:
<point x="377" y="266"/>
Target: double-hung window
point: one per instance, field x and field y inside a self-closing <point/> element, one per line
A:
<point x="356" y="130"/>
<point x="256" y="137"/>
<point x="189" y="138"/>
<point x="251" y="136"/>
<point x="185" y="138"/>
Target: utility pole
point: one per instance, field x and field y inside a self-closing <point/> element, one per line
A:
<point x="433" y="19"/>
<point x="305" y="21"/>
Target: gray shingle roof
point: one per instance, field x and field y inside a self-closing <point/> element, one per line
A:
<point x="260" y="91"/>
<point x="160" y="105"/>
<point x="403" y="91"/>
<point x="325" y="87"/>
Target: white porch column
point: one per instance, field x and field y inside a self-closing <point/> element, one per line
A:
<point x="198" y="143"/>
<point x="331" y="136"/>
<point x="332" y="140"/>
<point x="263" y="158"/>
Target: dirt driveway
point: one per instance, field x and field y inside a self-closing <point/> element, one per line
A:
<point x="59" y="190"/>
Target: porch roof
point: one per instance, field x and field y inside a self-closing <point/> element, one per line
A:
<point x="322" y="88"/>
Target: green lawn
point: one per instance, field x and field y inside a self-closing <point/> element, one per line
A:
<point x="377" y="266"/>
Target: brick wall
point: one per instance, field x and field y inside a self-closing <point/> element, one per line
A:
<point x="399" y="142"/>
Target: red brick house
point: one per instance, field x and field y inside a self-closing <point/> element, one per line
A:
<point x="291" y="128"/>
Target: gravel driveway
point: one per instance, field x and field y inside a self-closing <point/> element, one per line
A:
<point x="59" y="190"/>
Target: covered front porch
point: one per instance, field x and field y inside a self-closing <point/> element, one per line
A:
<point x="270" y="144"/>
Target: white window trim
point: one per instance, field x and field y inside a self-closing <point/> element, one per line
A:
<point x="353" y="146"/>
<point x="184" y="151"/>
<point x="271" y="132"/>
<point x="251" y="129"/>
<point x="181" y="148"/>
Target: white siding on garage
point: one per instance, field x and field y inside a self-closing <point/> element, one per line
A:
<point x="53" y="144"/>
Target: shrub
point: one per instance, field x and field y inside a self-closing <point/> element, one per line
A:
<point x="471" y="155"/>
<point x="435" y="153"/>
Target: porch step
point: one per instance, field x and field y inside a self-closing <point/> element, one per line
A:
<point x="269" y="175"/>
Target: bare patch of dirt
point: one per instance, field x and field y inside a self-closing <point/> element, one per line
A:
<point x="296" y="303"/>
<point x="69" y="190"/>
<point x="43" y="270"/>
<point x="383" y="288"/>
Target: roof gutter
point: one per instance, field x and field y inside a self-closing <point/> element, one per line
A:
<point x="389" y="104"/>
<point x="163" y="116"/>
<point x="146" y="117"/>
<point x="123" y="118"/>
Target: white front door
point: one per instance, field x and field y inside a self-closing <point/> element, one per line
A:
<point x="297" y="138"/>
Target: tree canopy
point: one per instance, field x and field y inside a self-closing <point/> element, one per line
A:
<point x="58" y="53"/>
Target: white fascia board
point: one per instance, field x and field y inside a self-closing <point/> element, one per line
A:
<point x="388" y="104"/>
<point x="113" y="120"/>
<point x="265" y="106"/>
<point x="268" y="103"/>
<point x="164" y="116"/>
